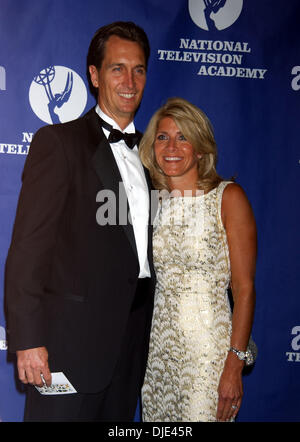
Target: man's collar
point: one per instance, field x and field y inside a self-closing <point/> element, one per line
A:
<point x="129" y="129"/>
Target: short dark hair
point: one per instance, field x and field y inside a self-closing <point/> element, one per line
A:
<point x="126" y="30"/>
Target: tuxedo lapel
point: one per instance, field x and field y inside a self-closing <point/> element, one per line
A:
<point x="108" y="173"/>
<point x="106" y="167"/>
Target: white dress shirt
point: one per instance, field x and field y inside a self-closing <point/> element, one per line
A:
<point x="134" y="180"/>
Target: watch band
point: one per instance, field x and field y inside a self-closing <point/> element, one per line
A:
<point x="242" y="355"/>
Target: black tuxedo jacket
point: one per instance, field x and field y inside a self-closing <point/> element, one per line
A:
<point x="70" y="282"/>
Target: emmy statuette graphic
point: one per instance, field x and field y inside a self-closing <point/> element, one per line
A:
<point x="44" y="78"/>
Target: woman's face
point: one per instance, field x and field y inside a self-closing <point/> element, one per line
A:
<point x="174" y="154"/>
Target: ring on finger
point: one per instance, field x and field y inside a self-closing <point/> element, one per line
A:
<point x="234" y="407"/>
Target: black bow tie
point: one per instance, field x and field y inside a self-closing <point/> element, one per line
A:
<point x="116" y="135"/>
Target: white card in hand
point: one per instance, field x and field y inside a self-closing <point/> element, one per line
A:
<point x="60" y="385"/>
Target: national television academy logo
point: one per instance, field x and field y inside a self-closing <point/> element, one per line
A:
<point x="57" y="94"/>
<point x="3" y="343"/>
<point x="2" y="79"/>
<point x="215" y="14"/>
<point x="294" y="355"/>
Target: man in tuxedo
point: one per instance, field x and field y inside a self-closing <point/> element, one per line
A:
<point x="79" y="289"/>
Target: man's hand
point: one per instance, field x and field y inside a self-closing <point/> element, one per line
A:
<point x="33" y="363"/>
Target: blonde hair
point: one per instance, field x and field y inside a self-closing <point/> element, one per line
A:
<point x="196" y="128"/>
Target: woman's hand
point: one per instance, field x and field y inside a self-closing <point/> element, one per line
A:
<point x="230" y="389"/>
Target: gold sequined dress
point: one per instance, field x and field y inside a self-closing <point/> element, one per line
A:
<point x="191" y="324"/>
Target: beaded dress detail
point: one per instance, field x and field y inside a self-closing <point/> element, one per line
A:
<point x="191" y="323"/>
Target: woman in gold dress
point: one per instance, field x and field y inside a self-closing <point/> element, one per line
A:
<point x="204" y="241"/>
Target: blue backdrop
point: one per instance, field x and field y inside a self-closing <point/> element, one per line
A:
<point x="241" y="65"/>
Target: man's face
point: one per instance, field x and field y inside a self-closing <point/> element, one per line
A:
<point x="120" y="80"/>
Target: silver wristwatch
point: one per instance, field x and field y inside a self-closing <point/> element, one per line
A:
<point x="243" y="355"/>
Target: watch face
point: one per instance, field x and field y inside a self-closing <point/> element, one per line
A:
<point x="242" y="355"/>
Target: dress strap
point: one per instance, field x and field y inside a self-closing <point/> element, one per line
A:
<point x="219" y="197"/>
<point x="220" y="190"/>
